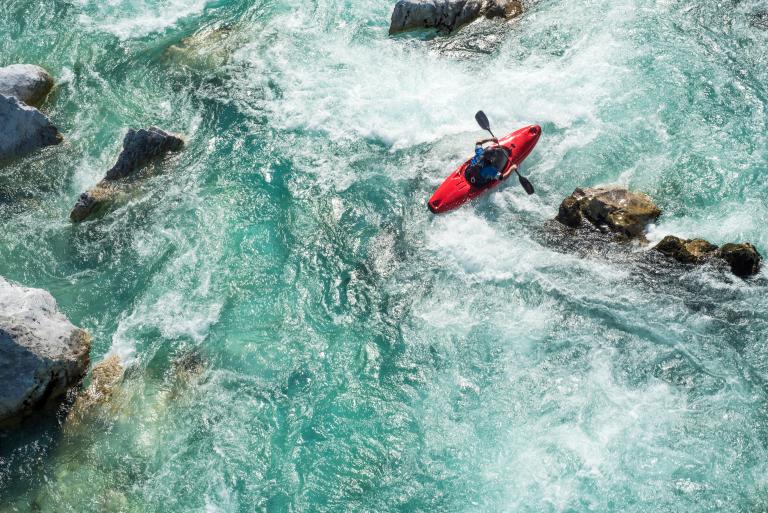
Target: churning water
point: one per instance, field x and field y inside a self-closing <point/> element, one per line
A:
<point x="301" y="334"/>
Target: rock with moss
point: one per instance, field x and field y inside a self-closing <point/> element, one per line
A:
<point x="27" y="82"/>
<point x="42" y="354"/>
<point x="140" y="147"/>
<point x="610" y="209"/>
<point x="448" y="15"/>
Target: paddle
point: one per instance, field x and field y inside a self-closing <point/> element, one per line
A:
<point x="482" y="120"/>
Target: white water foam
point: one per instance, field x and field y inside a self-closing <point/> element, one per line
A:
<point x="403" y="94"/>
<point x="136" y="18"/>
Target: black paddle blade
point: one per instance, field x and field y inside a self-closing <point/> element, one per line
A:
<point x="482" y="120"/>
<point x="528" y="186"/>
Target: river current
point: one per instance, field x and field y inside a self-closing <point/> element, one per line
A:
<point x="301" y="334"/>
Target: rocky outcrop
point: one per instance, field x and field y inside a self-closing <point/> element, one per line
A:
<point x="619" y="211"/>
<point x="42" y="354"/>
<point x="139" y="148"/>
<point x="23" y="129"/>
<point x="610" y="209"/>
<point x="29" y="83"/>
<point x="743" y="259"/>
<point x="448" y="15"/>
<point x="687" y="251"/>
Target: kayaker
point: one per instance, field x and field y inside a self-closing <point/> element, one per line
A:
<point x="482" y="168"/>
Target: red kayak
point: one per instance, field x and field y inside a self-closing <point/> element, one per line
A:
<point x="456" y="190"/>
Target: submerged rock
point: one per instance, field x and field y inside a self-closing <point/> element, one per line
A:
<point x="23" y="129"/>
<point x="105" y="375"/>
<point x="760" y="20"/>
<point x="207" y="49"/>
<point x="27" y="82"/>
<point x="687" y="251"/>
<point x="139" y="148"/>
<point x="42" y="354"/>
<point x="474" y="40"/>
<point x="448" y="15"/>
<point x="610" y="209"/>
<point x="743" y="258"/>
<point x="93" y="200"/>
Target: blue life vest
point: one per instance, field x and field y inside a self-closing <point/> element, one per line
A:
<point x="478" y="154"/>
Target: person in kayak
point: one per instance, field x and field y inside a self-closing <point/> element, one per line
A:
<point x="484" y="167"/>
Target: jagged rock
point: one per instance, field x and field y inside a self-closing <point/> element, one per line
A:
<point x="29" y="83"/>
<point x="448" y="15"/>
<point x="743" y="258"/>
<point x="687" y="251"/>
<point x="612" y="209"/>
<point x="139" y="148"/>
<point x="23" y="129"/>
<point x="569" y="212"/>
<point x="42" y="354"/>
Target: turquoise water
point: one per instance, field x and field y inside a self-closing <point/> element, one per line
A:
<point x="301" y="334"/>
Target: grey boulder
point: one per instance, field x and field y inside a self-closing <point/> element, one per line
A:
<point x="140" y="147"/>
<point x="27" y="82"/>
<point x="42" y="354"/>
<point x="23" y="129"/>
<point x="448" y="15"/>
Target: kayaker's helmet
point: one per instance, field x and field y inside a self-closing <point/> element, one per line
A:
<point x="496" y="158"/>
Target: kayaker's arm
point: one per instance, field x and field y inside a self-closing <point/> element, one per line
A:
<point x="483" y="141"/>
<point x="511" y="169"/>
